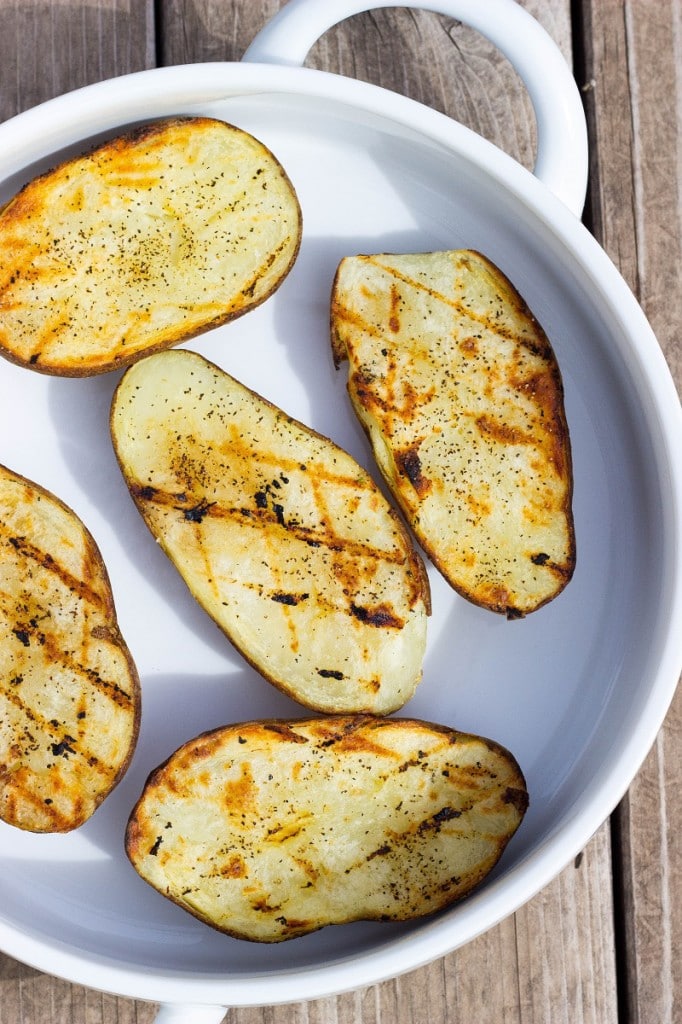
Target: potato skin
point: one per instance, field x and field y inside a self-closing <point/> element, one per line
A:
<point x="459" y="391"/>
<point x="269" y="830"/>
<point x="157" y="235"/>
<point x="279" y="534"/>
<point x="69" y="689"/>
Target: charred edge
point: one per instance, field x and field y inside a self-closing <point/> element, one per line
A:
<point x="561" y="572"/>
<point x="292" y="599"/>
<point x="49" y="564"/>
<point x="366" y="395"/>
<point x="380" y="617"/>
<point x="262" y="499"/>
<point x="517" y="797"/>
<point x="413" y="762"/>
<point x="113" y="691"/>
<point x="438" y="819"/>
<point x="198" y="512"/>
<point x="146" y="493"/>
<point x="346" y="729"/>
<point x="285" y="731"/>
<point x="409" y="464"/>
<point x="380" y="852"/>
<point x="106" y="633"/>
<point x="293" y="924"/>
<point x="249" y="290"/>
<point x="63" y="748"/>
<point x="502" y="432"/>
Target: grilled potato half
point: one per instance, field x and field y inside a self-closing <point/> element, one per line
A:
<point x="279" y="534"/>
<point x="157" y="235"/>
<point x="69" y="691"/>
<point x="459" y="391"/>
<point x="268" y="830"/>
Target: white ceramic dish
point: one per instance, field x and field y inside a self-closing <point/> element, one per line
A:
<point x="577" y="691"/>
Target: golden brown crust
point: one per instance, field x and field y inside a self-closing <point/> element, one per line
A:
<point x="460" y="394"/>
<point x="69" y="689"/>
<point x="269" y="830"/>
<point x="155" y="236"/>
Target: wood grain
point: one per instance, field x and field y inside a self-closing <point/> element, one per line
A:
<point x="52" y="46"/>
<point x="556" y="959"/>
<point x="634" y="55"/>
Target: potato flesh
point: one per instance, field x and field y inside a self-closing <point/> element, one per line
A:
<point x="460" y="394"/>
<point x="282" y="538"/>
<point x="153" y="237"/>
<point x="69" y="692"/>
<point x="269" y="830"/>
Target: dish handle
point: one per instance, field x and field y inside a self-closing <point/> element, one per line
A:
<point x="562" y="156"/>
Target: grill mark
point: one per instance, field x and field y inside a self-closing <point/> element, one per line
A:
<point x="542" y="388"/>
<point x="282" y="463"/>
<point x="394" y="319"/>
<point x="288" y="597"/>
<point x="202" y="552"/>
<point x="272" y="465"/>
<point x="545" y="390"/>
<point x="54" y="654"/>
<point x="371" y="399"/>
<point x="42" y="340"/>
<point x="496" y="328"/>
<point x="409" y="464"/>
<point x="20" y="796"/>
<point x="561" y="572"/>
<point x="349" y="316"/>
<point x="272" y="594"/>
<point x="44" y="347"/>
<point x="270" y="518"/>
<point x="48" y="563"/>
<point x="248" y="289"/>
<point x="257" y="517"/>
<point x="382" y="616"/>
<point x="500" y="431"/>
<point x="276" y="569"/>
<point x="49" y="730"/>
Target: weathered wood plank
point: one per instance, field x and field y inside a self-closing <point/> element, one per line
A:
<point x="634" y="67"/>
<point x="636" y="109"/>
<point x="52" y="46"/>
<point x="48" y="47"/>
<point x="554" y="959"/>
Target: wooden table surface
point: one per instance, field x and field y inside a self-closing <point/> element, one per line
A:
<point x="601" y="944"/>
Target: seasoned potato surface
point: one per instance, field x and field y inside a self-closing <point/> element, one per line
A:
<point x="460" y="394"/>
<point x="280" y="535"/>
<point x="69" y="691"/>
<point x="269" y="830"/>
<point x="155" y="236"/>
